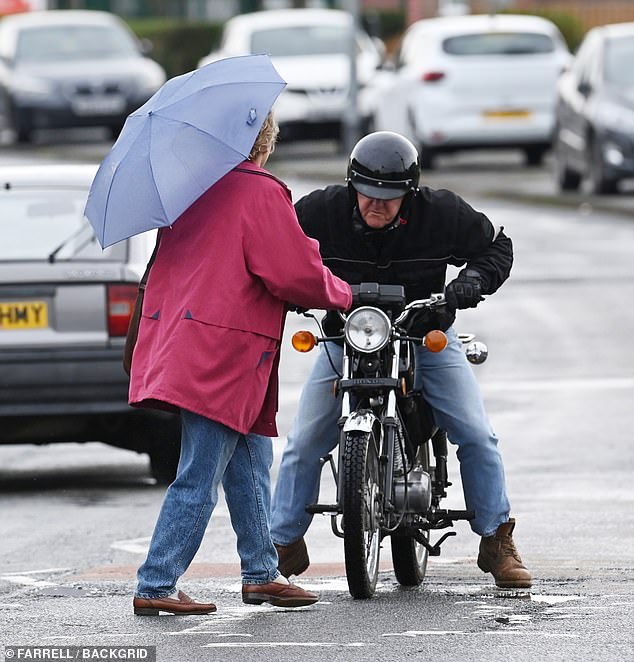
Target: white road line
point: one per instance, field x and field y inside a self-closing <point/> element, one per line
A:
<point x="578" y="384"/>
<point x="26" y="578"/>
<point x="134" y="545"/>
<point x="286" y="644"/>
<point x="35" y="572"/>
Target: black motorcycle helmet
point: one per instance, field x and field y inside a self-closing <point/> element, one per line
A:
<point x="384" y="165"/>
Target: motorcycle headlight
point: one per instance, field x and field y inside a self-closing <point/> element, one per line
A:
<point x="367" y="329"/>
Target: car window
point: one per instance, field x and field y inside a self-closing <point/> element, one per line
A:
<point x="303" y="40"/>
<point x="619" y="56"/>
<point x="33" y="224"/>
<point x="499" y="43"/>
<point x="64" y="42"/>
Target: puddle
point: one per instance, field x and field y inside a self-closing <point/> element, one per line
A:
<point x="555" y="599"/>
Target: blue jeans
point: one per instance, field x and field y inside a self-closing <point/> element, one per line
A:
<point x="449" y="386"/>
<point x="211" y="453"/>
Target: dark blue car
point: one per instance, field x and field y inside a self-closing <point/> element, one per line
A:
<point x="595" y="112"/>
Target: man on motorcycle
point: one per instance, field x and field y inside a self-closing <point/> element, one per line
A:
<point x="382" y="227"/>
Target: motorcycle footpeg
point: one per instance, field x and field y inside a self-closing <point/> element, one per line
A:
<point x="320" y="508"/>
<point x="451" y="515"/>
<point x="461" y="514"/>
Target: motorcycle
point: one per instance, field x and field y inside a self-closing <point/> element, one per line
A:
<point x="391" y="467"/>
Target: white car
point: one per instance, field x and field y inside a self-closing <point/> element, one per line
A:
<point x="310" y="50"/>
<point x="477" y="81"/>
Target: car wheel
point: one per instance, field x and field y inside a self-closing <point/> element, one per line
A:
<point x="534" y="156"/>
<point x="164" y="455"/>
<point x="115" y="130"/>
<point x="601" y="183"/>
<point x="21" y="129"/>
<point x="567" y="179"/>
<point x="427" y="158"/>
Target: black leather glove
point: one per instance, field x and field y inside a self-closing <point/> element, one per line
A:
<point x="292" y="308"/>
<point x="422" y="321"/>
<point x="332" y="324"/>
<point x="465" y="291"/>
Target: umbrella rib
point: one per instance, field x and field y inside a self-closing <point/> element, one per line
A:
<point x="158" y="194"/>
<point x="110" y="188"/>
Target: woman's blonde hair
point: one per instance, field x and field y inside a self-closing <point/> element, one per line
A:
<point x="265" y="142"/>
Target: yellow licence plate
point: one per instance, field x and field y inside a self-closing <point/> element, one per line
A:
<point x="23" y="315"/>
<point x="506" y="114"/>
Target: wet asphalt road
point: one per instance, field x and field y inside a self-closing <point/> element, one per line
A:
<point x="75" y="521"/>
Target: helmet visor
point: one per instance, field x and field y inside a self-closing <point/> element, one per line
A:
<point x="380" y="189"/>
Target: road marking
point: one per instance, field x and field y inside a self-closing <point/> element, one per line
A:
<point x="134" y="545"/>
<point x="35" y="572"/>
<point x="25" y="577"/>
<point x="581" y="384"/>
<point x="286" y="644"/>
<point x="531" y="633"/>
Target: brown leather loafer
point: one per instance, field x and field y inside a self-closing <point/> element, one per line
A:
<point x="279" y="595"/>
<point x="182" y="605"/>
<point x="293" y="558"/>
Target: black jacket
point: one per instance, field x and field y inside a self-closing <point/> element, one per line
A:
<point x="439" y="229"/>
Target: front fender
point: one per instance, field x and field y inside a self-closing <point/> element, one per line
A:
<point x="360" y="421"/>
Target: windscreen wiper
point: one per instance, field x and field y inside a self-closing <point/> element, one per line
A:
<point x="53" y="255"/>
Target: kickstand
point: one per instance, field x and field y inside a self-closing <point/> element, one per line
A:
<point x="434" y="550"/>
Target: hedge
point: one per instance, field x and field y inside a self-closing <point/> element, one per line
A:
<point x="178" y="45"/>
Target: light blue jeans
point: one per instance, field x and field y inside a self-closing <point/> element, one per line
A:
<point x="211" y="453"/>
<point x="450" y="387"/>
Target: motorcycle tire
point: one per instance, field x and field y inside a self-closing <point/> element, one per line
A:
<point x="361" y="513"/>
<point x="409" y="557"/>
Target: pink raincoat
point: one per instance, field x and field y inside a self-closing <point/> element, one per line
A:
<point x="215" y="303"/>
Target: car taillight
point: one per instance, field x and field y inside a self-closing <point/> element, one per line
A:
<point x="121" y="300"/>
<point x="432" y="76"/>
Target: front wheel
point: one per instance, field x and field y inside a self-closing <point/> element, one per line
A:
<point x="361" y="513"/>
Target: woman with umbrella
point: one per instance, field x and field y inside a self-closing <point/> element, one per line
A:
<point x="208" y="346"/>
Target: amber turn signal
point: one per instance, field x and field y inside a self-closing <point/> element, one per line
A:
<point x="435" y="341"/>
<point x="303" y="341"/>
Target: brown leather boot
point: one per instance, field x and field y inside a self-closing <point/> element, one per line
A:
<point x="499" y="557"/>
<point x="293" y="558"/>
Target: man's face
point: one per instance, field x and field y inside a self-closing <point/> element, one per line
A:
<point x="376" y="213"/>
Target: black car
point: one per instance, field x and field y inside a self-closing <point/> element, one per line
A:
<point x="595" y="112"/>
<point x="71" y="68"/>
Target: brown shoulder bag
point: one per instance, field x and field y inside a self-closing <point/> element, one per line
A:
<point x="133" y="328"/>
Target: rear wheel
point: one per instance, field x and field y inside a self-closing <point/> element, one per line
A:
<point x="361" y="513"/>
<point x="409" y="557"/>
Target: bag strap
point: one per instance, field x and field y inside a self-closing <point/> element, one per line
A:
<point x="143" y="281"/>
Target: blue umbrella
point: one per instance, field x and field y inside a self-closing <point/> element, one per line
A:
<point x="194" y="130"/>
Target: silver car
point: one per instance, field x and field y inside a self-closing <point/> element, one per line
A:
<point x="65" y="305"/>
<point x="71" y="68"/>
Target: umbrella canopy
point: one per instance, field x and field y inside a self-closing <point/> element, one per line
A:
<point x="194" y="130"/>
